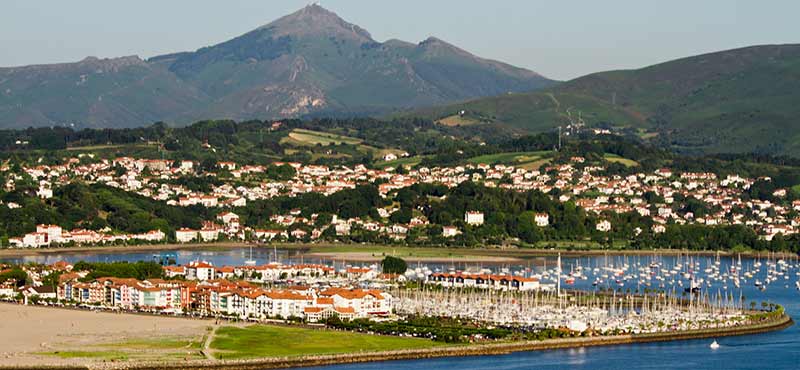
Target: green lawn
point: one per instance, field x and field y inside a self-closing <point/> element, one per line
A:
<point x="408" y="161"/>
<point x="512" y="158"/>
<point x="625" y="161"/>
<point x="140" y="349"/>
<point x="275" y="341"/>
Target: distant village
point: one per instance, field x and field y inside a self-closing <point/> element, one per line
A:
<point x="576" y="181"/>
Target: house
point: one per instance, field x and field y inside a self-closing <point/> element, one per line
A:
<point x="53" y="232"/>
<point x="473" y="218"/>
<point x="450" y="231"/>
<point x="230" y="166"/>
<point x="209" y="232"/>
<point x="484" y="281"/>
<point x="342" y="228"/>
<point x="604" y="226"/>
<point x="229" y="218"/>
<point x="200" y="270"/>
<point x="541" y="219"/>
<point x="35" y="240"/>
<point x="298" y="233"/>
<point x="174" y="271"/>
<point x="45" y="291"/>
<point x="268" y="234"/>
<point x="184" y="235"/>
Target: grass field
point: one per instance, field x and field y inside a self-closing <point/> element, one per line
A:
<point x="109" y="146"/>
<point x="617" y="159"/>
<point x="458" y="120"/>
<point x="512" y="158"/>
<point x="408" y="162"/>
<point x="155" y="349"/>
<point x="307" y="137"/>
<point x="275" y="341"/>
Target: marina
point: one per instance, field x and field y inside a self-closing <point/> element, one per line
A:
<point x="674" y="293"/>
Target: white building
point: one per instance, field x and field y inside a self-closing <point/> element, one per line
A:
<point x="184" y="235"/>
<point x="604" y="226"/>
<point x="200" y="270"/>
<point x="542" y="219"/>
<point x="473" y="218"/>
<point x="450" y="231"/>
<point x="53" y="232"/>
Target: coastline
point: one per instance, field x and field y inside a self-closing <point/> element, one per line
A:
<point x="780" y="323"/>
<point x="361" y="253"/>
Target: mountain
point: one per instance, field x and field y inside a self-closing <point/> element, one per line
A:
<point x="308" y="62"/>
<point x="741" y="100"/>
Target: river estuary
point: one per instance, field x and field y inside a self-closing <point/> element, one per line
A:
<point x="775" y="350"/>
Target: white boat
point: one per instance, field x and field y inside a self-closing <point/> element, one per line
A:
<point x="714" y="345"/>
<point x="251" y="261"/>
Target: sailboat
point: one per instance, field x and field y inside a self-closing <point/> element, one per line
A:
<point x="251" y="261"/>
<point x="714" y="345"/>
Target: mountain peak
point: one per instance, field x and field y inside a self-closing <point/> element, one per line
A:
<point x="314" y="20"/>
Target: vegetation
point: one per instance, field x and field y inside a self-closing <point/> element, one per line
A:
<point x="137" y="270"/>
<point x="443" y="329"/>
<point x="393" y="265"/>
<point x="138" y="349"/>
<point x="94" y="207"/>
<point x="278" y="341"/>
<point x="735" y="101"/>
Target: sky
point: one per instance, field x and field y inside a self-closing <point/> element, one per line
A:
<point x="560" y="39"/>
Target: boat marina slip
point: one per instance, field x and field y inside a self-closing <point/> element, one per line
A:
<point x="579" y="303"/>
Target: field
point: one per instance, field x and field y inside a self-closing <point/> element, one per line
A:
<point x="276" y="341"/>
<point x="307" y="137"/>
<point x="89" y="148"/>
<point x="519" y="159"/>
<point x="408" y="162"/>
<point x="458" y="120"/>
<point x="38" y="335"/>
<point x="617" y="159"/>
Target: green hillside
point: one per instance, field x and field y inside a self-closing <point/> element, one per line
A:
<point x="741" y="100"/>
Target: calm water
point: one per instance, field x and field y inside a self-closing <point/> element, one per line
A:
<point x="776" y="350"/>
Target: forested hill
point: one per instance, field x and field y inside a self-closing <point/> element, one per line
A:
<point x="741" y="100"/>
<point x="311" y="62"/>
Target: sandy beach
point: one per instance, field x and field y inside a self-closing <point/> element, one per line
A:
<point x="32" y="335"/>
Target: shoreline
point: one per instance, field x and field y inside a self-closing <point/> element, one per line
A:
<point x="358" y="252"/>
<point x="783" y="322"/>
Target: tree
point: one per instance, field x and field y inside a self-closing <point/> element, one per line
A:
<point x="393" y="265"/>
<point x="17" y="274"/>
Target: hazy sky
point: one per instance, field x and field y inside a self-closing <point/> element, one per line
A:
<point x="561" y="39"/>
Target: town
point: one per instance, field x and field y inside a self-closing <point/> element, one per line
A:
<point x="198" y="288"/>
<point x="663" y="197"/>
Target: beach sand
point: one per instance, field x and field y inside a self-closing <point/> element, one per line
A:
<point x="31" y="335"/>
